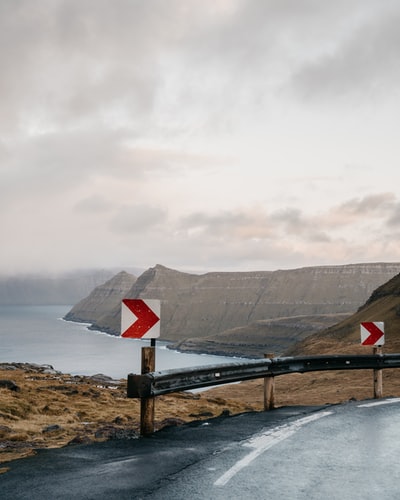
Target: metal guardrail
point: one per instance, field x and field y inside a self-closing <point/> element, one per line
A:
<point x="167" y="381"/>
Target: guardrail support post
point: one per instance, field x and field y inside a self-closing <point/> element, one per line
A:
<point x="269" y="388"/>
<point x="378" y="390"/>
<point x="147" y="404"/>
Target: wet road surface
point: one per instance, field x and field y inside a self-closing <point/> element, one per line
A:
<point x="349" y="451"/>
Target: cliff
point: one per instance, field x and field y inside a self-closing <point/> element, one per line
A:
<point x="102" y="305"/>
<point x="199" y="306"/>
<point x="260" y="337"/>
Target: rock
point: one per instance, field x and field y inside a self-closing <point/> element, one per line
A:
<point x="112" y="432"/>
<point x="52" y="428"/>
<point x="50" y="371"/>
<point x="118" y="420"/>
<point x="9" y="384"/>
<point x="100" y="378"/>
<point x="203" y="414"/>
<point x="80" y="440"/>
<point x="170" y="422"/>
<point x="4" y="429"/>
<point x="7" y="366"/>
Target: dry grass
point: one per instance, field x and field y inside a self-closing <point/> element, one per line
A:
<point x="316" y="388"/>
<point x="54" y="410"/>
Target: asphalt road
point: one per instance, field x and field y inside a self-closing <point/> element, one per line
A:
<point x="341" y="452"/>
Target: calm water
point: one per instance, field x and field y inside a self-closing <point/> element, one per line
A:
<point x="37" y="334"/>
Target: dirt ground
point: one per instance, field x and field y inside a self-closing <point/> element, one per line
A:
<point x="40" y="408"/>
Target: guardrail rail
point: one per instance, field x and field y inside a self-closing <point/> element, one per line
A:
<point x="149" y="385"/>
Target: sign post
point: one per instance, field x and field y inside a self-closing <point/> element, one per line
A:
<point x="147" y="405"/>
<point x="373" y="333"/>
<point x="269" y="388"/>
<point x="140" y="319"/>
<point x="378" y="381"/>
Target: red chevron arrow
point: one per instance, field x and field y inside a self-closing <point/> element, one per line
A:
<point x="138" y="319"/>
<point x="372" y="333"/>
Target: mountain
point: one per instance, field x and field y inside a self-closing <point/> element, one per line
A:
<point x="199" y="306"/>
<point x="102" y="305"/>
<point x="344" y="337"/>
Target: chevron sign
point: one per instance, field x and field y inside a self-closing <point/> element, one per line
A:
<point x="140" y="318"/>
<point x="372" y="333"/>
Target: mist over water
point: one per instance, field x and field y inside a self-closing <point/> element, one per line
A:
<point x="38" y="334"/>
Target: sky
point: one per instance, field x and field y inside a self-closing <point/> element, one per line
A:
<point x="212" y="135"/>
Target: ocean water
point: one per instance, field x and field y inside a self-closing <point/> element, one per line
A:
<point x="38" y="334"/>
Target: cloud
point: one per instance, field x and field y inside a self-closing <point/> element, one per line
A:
<point x="69" y="64"/>
<point x="291" y="232"/>
<point x="394" y="219"/>
<point x="295" y="223"/>
<point x="93" y="204"/>
<point x="227" y="225"/>
<point x="53" y="163"/>
<point x="376" y="206"/>
<point x="362" y="63"/>
<point x="197" y="133"/>
<point x="254" y="224"/>
<point x="138" y="219"/>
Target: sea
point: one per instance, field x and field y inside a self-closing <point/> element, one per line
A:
<point x="39" y="334"/>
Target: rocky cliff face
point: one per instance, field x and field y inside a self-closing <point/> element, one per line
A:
<point x="101" y="306"/>
<point x="269" y="336"/>
<point x="203" y="305"/>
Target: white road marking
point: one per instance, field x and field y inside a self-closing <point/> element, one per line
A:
<point x="379" y="403"/>
<point x="265" y="441"/>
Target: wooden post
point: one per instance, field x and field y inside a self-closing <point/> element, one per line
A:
<point x="378" y="390"/>
<point x="147" y="404"/>
<point x="269" y="389"/>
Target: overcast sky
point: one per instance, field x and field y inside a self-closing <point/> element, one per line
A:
<point x="199" y="134"/>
